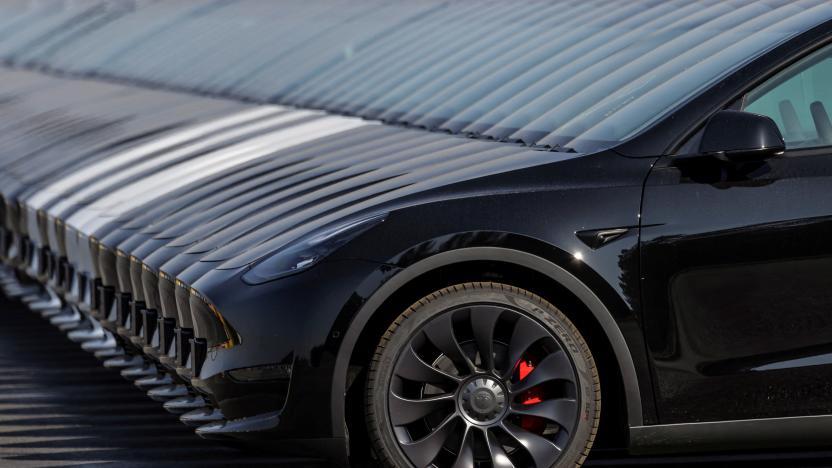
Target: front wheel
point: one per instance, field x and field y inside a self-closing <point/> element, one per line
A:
<point x="482" y="375"/>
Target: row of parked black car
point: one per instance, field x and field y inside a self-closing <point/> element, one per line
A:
<point x="433" y="233"/>
<point x="139" y="220"/>
<point x="98" y="212"/>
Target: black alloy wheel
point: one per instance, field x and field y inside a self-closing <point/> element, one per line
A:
<point x="482" y="375"/>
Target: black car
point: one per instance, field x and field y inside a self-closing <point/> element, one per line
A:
<point x="450" y="234"/>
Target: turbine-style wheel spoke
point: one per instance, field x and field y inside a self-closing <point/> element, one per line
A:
<point x="561" y="411"/>
<point x="424" y="450"/>
<point x="543" y="451"/>
<point x="451" y="408"/>
<point x="555" y="366"/>
<point x="526" y="333"/>
<point x="406" y="410"/>
<point x="440" y="332"/>
<point x="465" y="457"/>
<point x="412" y="367"/>
<point x="498" y="455"/>
<point x="483" y="320"/>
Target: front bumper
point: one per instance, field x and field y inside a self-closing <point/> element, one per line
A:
<point x="266" y="387"/>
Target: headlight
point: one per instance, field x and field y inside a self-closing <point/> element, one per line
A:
<point x="210" y="325"/>
<point x="303" y="254"/>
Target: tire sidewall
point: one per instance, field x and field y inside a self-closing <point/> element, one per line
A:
<point x="456" y="297"/>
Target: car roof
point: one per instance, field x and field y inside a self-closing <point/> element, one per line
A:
<point x="581" y="74"/>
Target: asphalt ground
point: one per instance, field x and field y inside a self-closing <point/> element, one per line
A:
<point x="60" y="407"/>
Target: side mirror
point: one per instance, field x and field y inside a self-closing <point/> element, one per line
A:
<point x="737" y="136"/>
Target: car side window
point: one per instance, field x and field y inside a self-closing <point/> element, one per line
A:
<point x="799" y="100"/>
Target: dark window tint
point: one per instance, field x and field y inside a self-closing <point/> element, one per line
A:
<point x="799" y="99"/>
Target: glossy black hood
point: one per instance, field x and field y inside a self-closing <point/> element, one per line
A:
<point x="358" y="182"/>
<point x="181" y="179"/>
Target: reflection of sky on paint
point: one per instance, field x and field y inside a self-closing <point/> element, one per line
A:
<point x="578" y="74"/>
<point x="819" y="360"/>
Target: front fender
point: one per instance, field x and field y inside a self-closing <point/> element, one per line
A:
<point x="542" y="265"/>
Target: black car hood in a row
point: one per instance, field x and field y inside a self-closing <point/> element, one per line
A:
<point x="263" y="182"/>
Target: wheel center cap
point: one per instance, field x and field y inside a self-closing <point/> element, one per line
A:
<point x="482" y="400"/>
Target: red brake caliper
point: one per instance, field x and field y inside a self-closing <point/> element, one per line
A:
<point x="530" y="423"/>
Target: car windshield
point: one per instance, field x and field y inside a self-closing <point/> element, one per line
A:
<point x="578" y="74"/>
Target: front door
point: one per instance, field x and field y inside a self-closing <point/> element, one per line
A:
<point x="737" y="267"/>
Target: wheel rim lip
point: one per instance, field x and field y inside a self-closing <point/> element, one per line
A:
<point x="494" y="374"/>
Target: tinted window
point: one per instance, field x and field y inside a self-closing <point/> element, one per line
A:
<point x="799" y="99"/>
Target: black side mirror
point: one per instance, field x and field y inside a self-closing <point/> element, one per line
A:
<point x="737" y="136"/>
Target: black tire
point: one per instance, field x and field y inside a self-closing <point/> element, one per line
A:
<point x="474" y="408"/>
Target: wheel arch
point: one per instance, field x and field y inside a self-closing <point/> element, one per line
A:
<point x="374" y="308"/>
